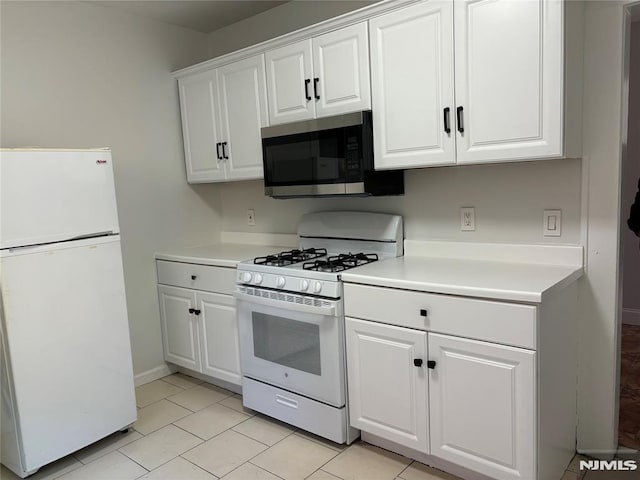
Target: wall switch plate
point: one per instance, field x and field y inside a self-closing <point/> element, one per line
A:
<point x="251" y="217"/>
<point x="468" y="219"/>
<point x="552" y="223"/>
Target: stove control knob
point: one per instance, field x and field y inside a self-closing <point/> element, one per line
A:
<point x="280" y="282"/>
<point x="317" y="287"/>
<point x="304" y="285"/>
<point x="257" y="279"/>
<point x="246" y="277"/>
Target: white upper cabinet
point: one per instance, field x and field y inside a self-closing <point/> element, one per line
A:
<point x="200" y="127"/>
<point x="223" y="110"/>
<point x="509" y="79"/>
<point x="482" y="404"/>
<point x="508" y="101"/>
<point x="341" y="71"/>
<point x="243" y="112"/>
<point x="289" y="76"/>
<point x="412" y="86"/>
<point x="324" y="76"/>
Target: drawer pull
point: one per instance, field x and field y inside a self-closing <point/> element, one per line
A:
<point x="193" y="277"/>
<point x="423" y="312"/>
<point x="431" y="364"/>
<point x="287" y="402"/>
<point x="417" y="362"/>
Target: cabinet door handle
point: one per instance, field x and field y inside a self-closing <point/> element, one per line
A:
<point x="193" y="277"/>
<point x="423" y="312"/>
<point x="307" y="81"/>
<point x="197" y="312"/>
<point x="447" y="127"/>
<point x="417" y="362"/>
<point x="315" y="88"/>
<point x="459" y="118"/>
<point x="218" y="145"/>
<point x="192" y="310"/>
<point x="224" y="154"/>
<point x="431" y="364"/>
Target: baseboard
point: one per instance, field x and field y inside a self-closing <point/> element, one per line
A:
<point x="153" y="374"/>
<point x="631" y="316"/>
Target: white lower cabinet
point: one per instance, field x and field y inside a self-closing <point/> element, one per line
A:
<point x="482" y="406"/>
<point x="451" y="400"/>
<point x="179" y="328"/>
<point x="219" y="336"/>
<point x="387" y="382"/>
<point x="199" y="327"/>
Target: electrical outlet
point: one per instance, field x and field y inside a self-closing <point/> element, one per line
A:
<point x="552" y="223"/>
<point x="468" y="219"/>
<point x="251" y="217"/>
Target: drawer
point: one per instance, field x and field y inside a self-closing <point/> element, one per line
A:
<point x="197" y="277"/>
<point x="497" y="322"/>
<point x="315" y="417"/>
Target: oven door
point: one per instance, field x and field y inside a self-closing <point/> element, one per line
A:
<point x="293" y="342"/>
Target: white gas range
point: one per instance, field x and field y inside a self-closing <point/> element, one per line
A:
<point x="291" y="323"/>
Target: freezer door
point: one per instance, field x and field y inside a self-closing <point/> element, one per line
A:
<point x="49" y="196"/>
<point x="67" y="335"/>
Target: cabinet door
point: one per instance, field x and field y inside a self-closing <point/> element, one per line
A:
<point x="200" y="127"/>
<point x="341" y="71"/>
<point x="387" y="392"/>
<point x="509" y="79"/>
<point x="290" y="83"/>
<point x="219" y="336"/>
<point x="179" y="327"/>
<point x="412" y="85"/>
<point x="243" y="112"/>
<point x="482" y="406"/>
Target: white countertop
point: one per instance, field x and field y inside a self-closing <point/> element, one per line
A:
<point x="219" y="254"/>
<point x="522" y="282"/>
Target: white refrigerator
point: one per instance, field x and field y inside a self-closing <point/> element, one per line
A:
<point x="67" y="377"/>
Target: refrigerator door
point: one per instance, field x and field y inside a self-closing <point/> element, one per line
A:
<point x="49" y="196"/>
<point x="66" y="331"/>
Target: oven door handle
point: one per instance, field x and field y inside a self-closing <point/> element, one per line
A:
<point x="329" y="310"/>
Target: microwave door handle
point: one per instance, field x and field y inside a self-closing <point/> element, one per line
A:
<point x="329" y="311"/>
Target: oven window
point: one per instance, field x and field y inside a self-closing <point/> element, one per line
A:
<point x="287" y="342"/>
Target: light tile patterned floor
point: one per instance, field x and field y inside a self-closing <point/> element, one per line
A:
<point x="190" y="430"/>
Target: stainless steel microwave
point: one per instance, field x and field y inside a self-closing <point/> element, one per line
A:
<point x="325" y="157"/>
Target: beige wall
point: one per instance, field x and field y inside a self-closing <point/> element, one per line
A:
<point x="277" y="21"/>
<point x="509" y="201"/>
<point x="80" y="75"/>
<point x="630" y="176"/>
<point x="599" y="314"/>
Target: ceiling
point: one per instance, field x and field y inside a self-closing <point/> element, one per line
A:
<point x="201" y="15"/>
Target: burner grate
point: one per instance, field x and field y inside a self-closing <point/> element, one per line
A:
<point x="339" y="263"/>
<point x="290" y="257"/>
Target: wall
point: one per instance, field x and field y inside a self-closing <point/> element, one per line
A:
<point x="509" y="200"/>
<point x="277" y="21"/>
<point x="630" y="176"/>
<point x="599" y="294"/>
<point x="81" y="75"/>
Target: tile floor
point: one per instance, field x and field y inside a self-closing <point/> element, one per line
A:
<point x="189" y="430"/>
<point x="629" y="425"/>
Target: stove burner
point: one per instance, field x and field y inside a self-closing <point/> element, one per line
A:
<point x="283" y="259"/>
<point x="341" y="262"/>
